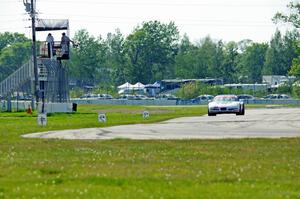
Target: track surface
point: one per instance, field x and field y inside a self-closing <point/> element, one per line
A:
<point x="257" y="123"/>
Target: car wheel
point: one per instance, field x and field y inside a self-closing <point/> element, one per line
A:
<point x="242" y="110"/>
<point x="211" y="114"/>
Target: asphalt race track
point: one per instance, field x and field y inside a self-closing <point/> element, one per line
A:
<point x="257" y="123"/>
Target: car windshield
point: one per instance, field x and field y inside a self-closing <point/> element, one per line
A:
<point x="225" y="98"/>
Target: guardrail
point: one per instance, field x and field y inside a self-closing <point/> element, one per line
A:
<point x="23" y="105"/>
<point x="253" y="101"/>
<point x="272" y="101"/>
<point x="125" y="102"/>
<point x="159" y="102"/>
<point x="15" y="105"/>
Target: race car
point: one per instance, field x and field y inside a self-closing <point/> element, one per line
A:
<point x="226" y="104"/>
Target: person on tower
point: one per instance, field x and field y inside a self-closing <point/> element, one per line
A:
<point x="65" y="44"/>
<point x="50" y="43"/>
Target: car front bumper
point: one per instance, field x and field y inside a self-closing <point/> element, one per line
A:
<point x="224" y="110"/>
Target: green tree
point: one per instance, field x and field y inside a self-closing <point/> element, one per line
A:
<point x="291" y="52"/>
<point x="251" y="63"/>
<point x="7" y="39"/>
<point x="293" y="17"/>
<point x="195" y="61"/>
<point x="207" y="66"/>
<point x="219" y="60"/>
<point x="295" y="69"/>
<point x="151" y="50"/>
<point x="185" y="59"/>
<point x="296" y="91"/>
<point x="117" y="59"/>
<point x="281" y="53"/>
<point x="229" y="66"/>
<point x="244" y="44"/>
<point x="275" y="63"/>
<point x="201" y="61"/>
<point x="88" y="59"/>
<point x="14" y="52"/>
<point x="13" y="57"/>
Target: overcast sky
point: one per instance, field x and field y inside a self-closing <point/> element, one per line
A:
<point x="229" y="20"/>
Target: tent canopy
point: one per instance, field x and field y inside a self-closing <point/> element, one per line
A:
<point x="138" y="85"/>
<point x="51" y="24"/>
<point x="125" y="86"/>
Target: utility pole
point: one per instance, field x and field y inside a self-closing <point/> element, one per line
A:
<point x="30" y="8"/>
<point x="36" y="81"/>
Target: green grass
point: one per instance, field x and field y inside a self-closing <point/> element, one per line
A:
<point x="12" y="125"/>
<point x="120" y="168"/>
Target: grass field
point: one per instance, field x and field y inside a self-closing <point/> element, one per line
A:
<point x="39" y="168"/>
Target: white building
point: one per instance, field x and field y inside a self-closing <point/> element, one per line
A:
<point x="276" y="80"/>
<point x="247" y="87"/>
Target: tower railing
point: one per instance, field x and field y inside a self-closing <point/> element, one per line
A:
<point x="18" y="78"/>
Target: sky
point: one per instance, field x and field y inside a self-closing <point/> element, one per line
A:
<point x="229" y="20"/>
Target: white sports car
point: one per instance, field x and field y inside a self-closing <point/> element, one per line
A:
<point x="226" y="104"/>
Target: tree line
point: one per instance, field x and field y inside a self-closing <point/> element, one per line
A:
<point x="155" y="51"/>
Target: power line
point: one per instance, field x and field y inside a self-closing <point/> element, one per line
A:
<point x="179" y="23"/>
<point x="134" y="18"/>
<point x="158" y="3"/>
<point x="7" y="1"/>
<point x="139" y="3"/>
<point x="13" y="28"/>
<point x="9" y="15"/>
<point x="9" y="20"/>
<point x="130" y="20"/>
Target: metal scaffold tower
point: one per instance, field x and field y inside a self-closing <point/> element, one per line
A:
<point x="53" y="80"/>
<point x="44" y="76"/>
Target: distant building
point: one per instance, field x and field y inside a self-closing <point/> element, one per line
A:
<point x="171" y="84"/>
<point x="248" y="87"/>
<point x="276" y="80"/>
<point x="152" y="89"/>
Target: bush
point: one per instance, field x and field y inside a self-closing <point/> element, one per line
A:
<point x="285" y="89"/>
<point x="189" y="91"/>
<point x="296" y="91"/>
<point x="76" y="92"/>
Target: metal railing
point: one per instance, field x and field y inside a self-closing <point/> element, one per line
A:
<point x="17" y="79"/>
<point x="50" y="71"/>
<point x="56" y="50"/>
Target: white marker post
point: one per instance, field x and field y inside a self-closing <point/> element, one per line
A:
<point x="146" y="114"/>
<point x="101" y="117"/>
<point x="42" y="119"/>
